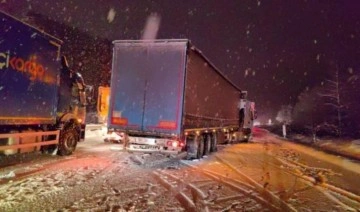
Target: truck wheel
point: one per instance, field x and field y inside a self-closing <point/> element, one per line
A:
<point x="213" y="145"/>
<point x="68" y="141"/>
<point x="247" y="138"/>
<point x="191" y="149"/>
<point x="246" y="135"/>
<point x="200" y="146"/>
<point x="207" y="146"/>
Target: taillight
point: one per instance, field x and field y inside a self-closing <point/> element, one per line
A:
<point x="175" y="144"/>
<point x="172" y="143"/>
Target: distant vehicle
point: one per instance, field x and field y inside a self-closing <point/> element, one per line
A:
<point x="36" y="92"/>
<point x="247" y="117"/>
<point x="103" y="104"/>
<point x="167" y="96"/>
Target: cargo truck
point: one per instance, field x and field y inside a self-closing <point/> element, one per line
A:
<point x="35" y="92"/>
<point x="167" y="96"/>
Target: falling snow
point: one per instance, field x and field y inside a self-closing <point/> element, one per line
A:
<point x="111" y="15"/>
<point x="311" y="38"/>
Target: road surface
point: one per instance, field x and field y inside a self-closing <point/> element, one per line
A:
<point x="267" y="174"/>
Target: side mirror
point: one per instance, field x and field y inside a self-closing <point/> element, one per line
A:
<point x="64" y="63"/>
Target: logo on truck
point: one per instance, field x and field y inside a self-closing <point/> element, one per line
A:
<point x="6" y="62"/>
<point x="30" y="67"/>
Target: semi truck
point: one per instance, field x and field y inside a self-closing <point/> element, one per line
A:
<point x="36" y="109"/>
<point x="167" y="96"/>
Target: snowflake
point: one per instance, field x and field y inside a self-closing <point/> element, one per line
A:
<point x="111" y="15"/>
<point x="247" y="72"/>
<point x="190" y="13"/>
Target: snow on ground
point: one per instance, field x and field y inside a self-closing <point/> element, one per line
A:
<point x="342" y="147"/>
<point x="101" y="176"/>
<point x="97" y="177"/>
<point x="52" y="181"/>
<point x="348" y="148"/>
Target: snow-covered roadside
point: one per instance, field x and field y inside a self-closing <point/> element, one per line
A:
<point x="345" y="147"/>
<point x="342" y="147"/>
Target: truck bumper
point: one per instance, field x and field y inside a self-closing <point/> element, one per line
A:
<point x="152" y="149"/>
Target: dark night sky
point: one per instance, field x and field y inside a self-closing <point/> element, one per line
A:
<point x="274" y="49"/>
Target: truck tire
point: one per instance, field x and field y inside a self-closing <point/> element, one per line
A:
<point x="68" y="140"/>
<point x="191" y="149"/>
<point x="213" y="145"/>
<point x="207" y="146"/>
<point x="246" y="135"/>
<point x="199" y="140"/>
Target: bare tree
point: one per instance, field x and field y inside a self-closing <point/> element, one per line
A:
<point x="333" y="97"/>
<point x="310" y="113"/>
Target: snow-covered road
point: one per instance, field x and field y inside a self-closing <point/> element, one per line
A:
<point x="268" y="174"/>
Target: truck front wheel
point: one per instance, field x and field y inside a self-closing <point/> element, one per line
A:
<point x="68" y="141"/>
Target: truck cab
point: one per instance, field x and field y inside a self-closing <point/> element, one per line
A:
<point x="35" y="92"/>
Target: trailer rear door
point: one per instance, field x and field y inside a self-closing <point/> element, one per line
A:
<point x="147" y="86"/>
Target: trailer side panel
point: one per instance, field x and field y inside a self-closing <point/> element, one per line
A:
<point x="210" y="99"/>
<point x="29" y="73"/>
